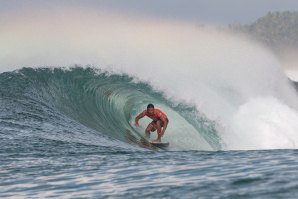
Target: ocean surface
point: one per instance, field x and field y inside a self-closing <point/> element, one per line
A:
<point x="69" y="133"/>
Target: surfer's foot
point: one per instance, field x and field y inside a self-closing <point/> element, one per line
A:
<point x="157" y="140"/>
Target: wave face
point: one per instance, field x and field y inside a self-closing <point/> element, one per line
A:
<point x="91" y="106"/>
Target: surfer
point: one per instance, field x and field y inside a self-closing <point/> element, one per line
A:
<point x="159" y="123"/>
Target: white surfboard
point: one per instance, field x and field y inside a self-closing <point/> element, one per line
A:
<point x="160" y="144"/>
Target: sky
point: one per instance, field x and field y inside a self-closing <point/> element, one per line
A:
<point x="29" y="28"/>
<point x="219" y="12"/>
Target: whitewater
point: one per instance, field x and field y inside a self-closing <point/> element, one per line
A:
<point x="72" y="85"/>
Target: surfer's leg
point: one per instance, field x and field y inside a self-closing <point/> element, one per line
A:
<point x="158" y="127"/>
<point x="149" y="128"/>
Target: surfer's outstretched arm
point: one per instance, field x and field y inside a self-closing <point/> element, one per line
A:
<point x="141" y="115"/>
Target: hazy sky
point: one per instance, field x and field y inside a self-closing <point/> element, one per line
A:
<point x="197" y="11"/>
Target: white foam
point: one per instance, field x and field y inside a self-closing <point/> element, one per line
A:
<point x="263" y="123"/>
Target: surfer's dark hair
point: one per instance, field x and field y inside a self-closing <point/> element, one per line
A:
<point x="150" y="106"/>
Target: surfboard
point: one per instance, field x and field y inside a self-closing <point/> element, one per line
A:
<point x="160" y="144"/>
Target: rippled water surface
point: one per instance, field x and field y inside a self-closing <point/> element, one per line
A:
<point x="45" y="168"/>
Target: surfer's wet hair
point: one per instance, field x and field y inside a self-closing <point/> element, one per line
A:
<point x="150" y="106"/>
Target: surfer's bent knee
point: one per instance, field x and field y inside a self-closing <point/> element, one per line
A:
<point x="149" y="128"/>
<point x="159" y="124"/>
